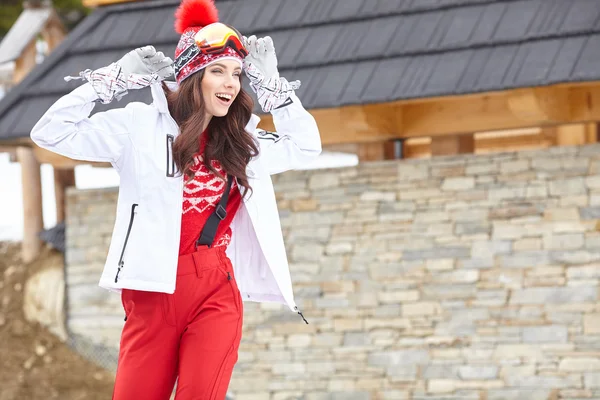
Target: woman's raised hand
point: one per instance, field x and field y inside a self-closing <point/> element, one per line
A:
<point x="135" y="70"/>
<point x="260" y="67"/>
<point x="261" y="54"/>
<point x="146" y="61"/>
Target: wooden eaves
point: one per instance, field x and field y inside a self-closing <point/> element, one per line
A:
<point x="567" y="108"/>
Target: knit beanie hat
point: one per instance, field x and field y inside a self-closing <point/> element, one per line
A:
<point x="191" y="17"/>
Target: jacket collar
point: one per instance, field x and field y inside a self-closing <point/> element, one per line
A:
<point x="160" y="102"/>
<point x="158" y="95"/>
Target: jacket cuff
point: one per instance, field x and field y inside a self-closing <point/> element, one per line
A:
<point x="88" y="93"/>
<point x="290" y="104"/>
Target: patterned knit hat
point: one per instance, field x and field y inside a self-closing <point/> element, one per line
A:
<point x="193" y="53"/>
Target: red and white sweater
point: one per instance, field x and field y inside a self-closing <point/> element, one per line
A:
<point x="200" y="198"/>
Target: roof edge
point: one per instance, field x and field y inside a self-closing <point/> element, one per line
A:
<point x="13" y="33"/>
<point x="54" y="57"/>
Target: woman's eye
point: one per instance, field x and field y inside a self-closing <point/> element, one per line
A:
<point x="217" y="71"/>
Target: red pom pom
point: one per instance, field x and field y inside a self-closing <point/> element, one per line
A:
<point x="195" y="13"/>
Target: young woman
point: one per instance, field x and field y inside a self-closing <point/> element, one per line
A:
<point x="197" y="228"/>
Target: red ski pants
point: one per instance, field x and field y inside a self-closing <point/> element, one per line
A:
<point x="191" y="336"/>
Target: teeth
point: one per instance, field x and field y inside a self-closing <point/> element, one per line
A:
<point x="225" y="96"/>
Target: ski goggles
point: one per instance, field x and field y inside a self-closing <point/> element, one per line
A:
<point x="214" y="38"/>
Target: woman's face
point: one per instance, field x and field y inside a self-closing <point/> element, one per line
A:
<point x="220" y="86"/>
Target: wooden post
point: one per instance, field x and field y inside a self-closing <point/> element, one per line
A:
<point x="33" y="217"/>
<point x="63" y="178"/>
<point x="450" y="145"/>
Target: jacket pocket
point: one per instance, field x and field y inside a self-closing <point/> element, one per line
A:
<point x="121" y="258"/>
<point x="170" y="159"/>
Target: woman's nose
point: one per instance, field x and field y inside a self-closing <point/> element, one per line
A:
<point x="230" y="82"/>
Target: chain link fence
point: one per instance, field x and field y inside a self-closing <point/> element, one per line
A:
<point x="101" y="355"/>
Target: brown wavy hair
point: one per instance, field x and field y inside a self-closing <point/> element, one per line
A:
<point x="228" y="141"/>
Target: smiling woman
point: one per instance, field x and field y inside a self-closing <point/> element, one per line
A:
<point x="197" y="228"/>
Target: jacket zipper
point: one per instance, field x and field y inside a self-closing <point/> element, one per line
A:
<point x="121" y="261"/>
<point x="170" y="159"/>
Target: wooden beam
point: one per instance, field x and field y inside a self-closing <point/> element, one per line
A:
<point x="452" y="115"/>
<point x="33" y="218"/>
<point x="544" y="104"/>
<point x="47" y="157"/>
<point x="517" y="109"/>
<point x="491" y="142"/>
<point x="451" y="145"/>
<point x="63" y="179"/>
<point x="17" y="142"/>
<point x="585" y="103"/>
<point x="513" y="109"/>
<point x="522" y="139"/>
<point x="353" y="124"/>
<point x="57" y="161"/>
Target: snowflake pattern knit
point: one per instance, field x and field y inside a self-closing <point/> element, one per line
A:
<point x="200" y="197"/>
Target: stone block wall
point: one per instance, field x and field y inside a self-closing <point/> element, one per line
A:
<point x="92" y="312"/>
<point x="472" y="277"/>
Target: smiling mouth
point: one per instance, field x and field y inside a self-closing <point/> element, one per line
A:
<point x="224" y="98"/>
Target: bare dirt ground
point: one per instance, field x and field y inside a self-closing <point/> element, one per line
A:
<point x="35" y="364"/>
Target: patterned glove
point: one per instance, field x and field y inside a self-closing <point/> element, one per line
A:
<point x="260" y="67"/>
<point x="137" y="69"/>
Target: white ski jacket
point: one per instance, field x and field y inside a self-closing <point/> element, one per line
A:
<point x="137" y="140"/>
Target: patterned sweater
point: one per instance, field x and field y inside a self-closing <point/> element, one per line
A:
<point x="200" y="198"/>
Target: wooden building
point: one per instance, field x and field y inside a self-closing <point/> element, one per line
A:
<point x="19" y="52"/>
<point x="384" y="79"/>
<point x="38" y="19"/>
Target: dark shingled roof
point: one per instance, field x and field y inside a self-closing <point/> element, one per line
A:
<point x="348" y="51"/>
